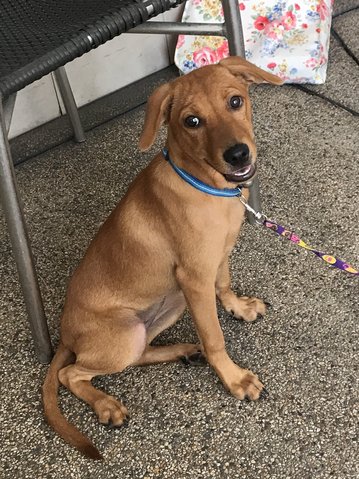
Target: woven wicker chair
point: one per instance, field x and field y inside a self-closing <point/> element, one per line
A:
<point x="37" y="38"/>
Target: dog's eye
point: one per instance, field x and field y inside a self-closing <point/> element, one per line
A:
<point x="235" y="102"/>
<point x="192" y="121"/>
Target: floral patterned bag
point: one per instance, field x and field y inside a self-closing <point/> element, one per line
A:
<point x="287" y="38"/>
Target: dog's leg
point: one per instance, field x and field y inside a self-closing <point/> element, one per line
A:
<point x="173" y="309"/>
<point x="246" y="308"/>
<point x="78" y="380"/>
<point x="168" y="353"/>
<point x="106" y="352"/>
<point x="199" y="290"/>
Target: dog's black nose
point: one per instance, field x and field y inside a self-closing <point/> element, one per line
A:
<point x="237" y="155"/>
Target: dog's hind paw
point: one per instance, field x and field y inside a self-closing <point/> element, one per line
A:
<point x="111" y="412"/>
<point x="195" y="359"/>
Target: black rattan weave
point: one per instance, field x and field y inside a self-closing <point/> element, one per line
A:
<point x="38" y="36"/>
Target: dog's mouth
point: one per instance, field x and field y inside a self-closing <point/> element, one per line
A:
<point x="242" y="175"/>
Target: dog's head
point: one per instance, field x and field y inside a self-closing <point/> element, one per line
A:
<point x="208" y="113"/>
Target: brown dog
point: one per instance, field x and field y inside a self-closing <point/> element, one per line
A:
<point x="164" y="247"/>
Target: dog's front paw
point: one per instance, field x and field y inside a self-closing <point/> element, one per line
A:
<point x="247" y="308"/>
<point x="247" y="386"/>
<point x="111" y="412"/>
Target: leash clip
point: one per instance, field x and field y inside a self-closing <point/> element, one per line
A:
<point x="260" y="217"/>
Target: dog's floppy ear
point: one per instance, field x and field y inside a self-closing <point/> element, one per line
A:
<point x="250" y="72"/>
<point x="156" y="113"/>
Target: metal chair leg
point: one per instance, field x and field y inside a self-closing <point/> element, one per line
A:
<point x="254" y="200"/>
<point x="233" y="26"/>
<point x="9" y="105"/>
<point x="70" y="104"/>
<point x="234" y="33"/>
<point x="21" y="246"/>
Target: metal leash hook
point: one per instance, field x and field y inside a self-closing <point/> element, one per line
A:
<point x="260" y="217"/>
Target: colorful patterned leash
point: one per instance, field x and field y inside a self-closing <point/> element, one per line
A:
<point x="289" y="235"/>
<point x="260" y="217"/>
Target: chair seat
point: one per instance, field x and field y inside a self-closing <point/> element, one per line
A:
<point x="37" y="36"/>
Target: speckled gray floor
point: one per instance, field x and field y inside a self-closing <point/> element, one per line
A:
<point x="184" y="424"/>
<point x="347" y="27"/>
<point x="342" y="6"/>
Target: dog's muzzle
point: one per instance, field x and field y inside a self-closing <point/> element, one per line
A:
<point x="239" y="157"/>
<point x="243" y="175"/>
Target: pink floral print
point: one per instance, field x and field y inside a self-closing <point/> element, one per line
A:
<point x="323" y="9"/>
<point x="204" y="56"/>
<point x="275" y="30"/>
<point x="289" y="20"/>
<point x="180" y="41"/>
<point x="223" y="51"/>
<point x="288" y="38"/>
<point x="261" y="22"/>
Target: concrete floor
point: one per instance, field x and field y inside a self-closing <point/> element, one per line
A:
<point x="184" y="424"/>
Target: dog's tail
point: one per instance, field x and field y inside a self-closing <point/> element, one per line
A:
<point x="53" y="414"/>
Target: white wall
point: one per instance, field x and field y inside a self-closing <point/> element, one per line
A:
<point x="36" y="104"/>
<point x="114" y="65"/>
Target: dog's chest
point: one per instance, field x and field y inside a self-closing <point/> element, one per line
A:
<point x="218" y="225"/>
<point x="235" y="217"/>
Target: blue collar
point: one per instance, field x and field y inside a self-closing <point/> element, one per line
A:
<point x="198" y="184"/>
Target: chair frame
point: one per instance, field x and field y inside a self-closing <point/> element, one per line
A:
<point x="9" y="195"/>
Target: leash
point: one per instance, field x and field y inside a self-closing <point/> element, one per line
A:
<point x="260" y="217"/>
<point x="291" y="236"/>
